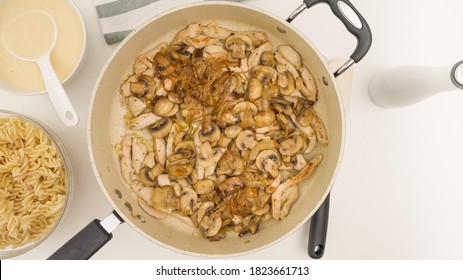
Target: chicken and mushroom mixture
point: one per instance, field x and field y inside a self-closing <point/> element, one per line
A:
<point x="221" y="128"/>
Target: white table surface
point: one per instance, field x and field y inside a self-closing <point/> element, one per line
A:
<point x="399" y="193"/>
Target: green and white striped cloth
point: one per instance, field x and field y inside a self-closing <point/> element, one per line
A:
<point x="119" y="17"/>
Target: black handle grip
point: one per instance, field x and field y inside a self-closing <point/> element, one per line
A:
<point x="84" y="244"/>
<point x="362" y="33"/>
<point x="318" y="230"/>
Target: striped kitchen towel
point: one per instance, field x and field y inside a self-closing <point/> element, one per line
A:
<point x="119" y="17"/>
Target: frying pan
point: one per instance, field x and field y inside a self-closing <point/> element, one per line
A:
<point x="106" y="127"/>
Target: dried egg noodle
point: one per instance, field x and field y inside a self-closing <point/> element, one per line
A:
<point x="220" y="129"/>
<point x="32" y="183"/>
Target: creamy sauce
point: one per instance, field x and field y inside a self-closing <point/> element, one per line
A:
<point x="29" y="35"/>
<point x="23" y="75"/>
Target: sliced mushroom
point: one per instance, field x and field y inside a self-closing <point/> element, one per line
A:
<point x="163" y="65"/>
<point x="285" y="123"/>
<point x="209" y="132"/>
<point x="231" y="185"/>
<point x="266" y="75"/>
<point x="265" y="144"/>
<point x="300" y="162"/>
<point x="206" y="155"/>
<point x="163" y="107"/>
<point x="232" y="131"/>
<point x="230" y="165"/>
<point x="268" y="161"/>
<point x="144" y="88"/>
<point x="310" y="84"/>
<point x="245" y="140"/>
<point x="162" y="198"/>
<point x="204" y="186"/>
<point x="186" y="149"/>
<point x="238" y="44"/>
<point x="205" y="209"/>
<point x="146" y="177"/>
<point x="286" y="83"/>
<point x="268" y="59"/>
<point x="161" y="128"/>
<point x="143" y="121"/>
<point x="180" y="169"/>
<point x="210" y="225"/>
<point x="292" y="145"/>
<point x="188" y="199"/>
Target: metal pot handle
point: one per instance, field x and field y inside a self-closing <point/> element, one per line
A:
<point x="352" y="20"/>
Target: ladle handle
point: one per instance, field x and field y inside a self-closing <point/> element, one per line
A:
<point x="409" y="84"/>
<point x="56" y="92"/>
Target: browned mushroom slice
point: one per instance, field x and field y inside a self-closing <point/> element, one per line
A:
<point x="268" y="59"/>
<point x="144" y="88"/>
<point x="245" y="140"/>
<point x="204" y="186"/>
<point x="230" y="165"/>
<point x="292" y="145"/>
<point x="231" y="185"/>
<point x="162" y="199"/>
<point x="238" y="44"/>
<point x="161" y="128"/>
<point x="266" y="144"/>
<point x="211" y="224"/>
<point x="163" y="65"/>
<point x="268" y="161"/>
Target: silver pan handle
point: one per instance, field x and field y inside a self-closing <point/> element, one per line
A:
<point x="352" y="20"/>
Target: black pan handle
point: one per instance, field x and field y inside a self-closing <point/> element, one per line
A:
<point x="318" y="230"/>
<point x="352" y="20"/>
<point x="89" y="240"/>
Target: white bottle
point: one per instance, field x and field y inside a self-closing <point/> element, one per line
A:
<point x="407" y="85"/>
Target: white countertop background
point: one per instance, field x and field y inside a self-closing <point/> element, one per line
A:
<point x="399" y="192"/>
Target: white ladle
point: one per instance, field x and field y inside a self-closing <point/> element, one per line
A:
<point x="41" y="33"/>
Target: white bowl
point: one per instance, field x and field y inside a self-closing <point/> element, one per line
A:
<point x="7" y="88"/>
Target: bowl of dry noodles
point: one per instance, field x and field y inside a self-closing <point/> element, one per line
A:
<point x="36" y="183"/>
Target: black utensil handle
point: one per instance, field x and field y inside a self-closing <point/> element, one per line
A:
<point x="89" y="240"/>
<point x="318" y="230"/>
<point x="357" y="27"/>
<point x="362" y="33"/>
<point x="84" y="244"/>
